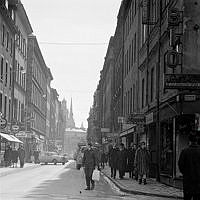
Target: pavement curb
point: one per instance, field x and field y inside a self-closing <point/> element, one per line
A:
<point x="17" y="171"/>
<point x="123" y="189"/>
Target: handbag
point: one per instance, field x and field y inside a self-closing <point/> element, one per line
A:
<point x="96" y="175"/>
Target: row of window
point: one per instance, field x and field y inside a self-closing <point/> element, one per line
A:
<point x="38" y="99"/>
<point x="19" y="110"/>
<point x="130" y="55"/>
<point x="21" y="44"/>
<point x="39" y="123"/>
<point x="6" y="39"/>
<point x="5" y="73"/>
<point x="130" y="17"/>
<point x="5" y="106"/>
<point x="129" y="101"/>
<point x="148" y="92"/>
<point x="39" y="75"/>
<point x="20" y="77"/>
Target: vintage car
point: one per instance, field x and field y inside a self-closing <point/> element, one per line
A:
<point x="51" y="157"/>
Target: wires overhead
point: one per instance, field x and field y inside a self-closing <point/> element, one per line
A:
<point x="75" y="43"/>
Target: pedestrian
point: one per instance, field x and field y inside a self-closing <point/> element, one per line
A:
<point x="130" y="160"/>
<point x="14" y="157"/>
<point x="89" y="163"/>
<point x="122" y="160"/>
<point x="142" y="162"/>
<point x="113" y="160"/>
<point x="21" y="153"/>
<point x="36" y="156"/>
<point x="7" y="156"/>
<point x="103" y="159"/>
<point x="189" y="165"/>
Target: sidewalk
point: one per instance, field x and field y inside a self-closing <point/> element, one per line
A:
<point x="153" y="188"/>
<point x="4" y="171"/>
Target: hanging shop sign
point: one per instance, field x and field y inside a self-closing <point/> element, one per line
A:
<point x="136" y="119"/>
<point x="3" y="123"/>
<point x="105" y="130"/>
<point x="182" y="81"/>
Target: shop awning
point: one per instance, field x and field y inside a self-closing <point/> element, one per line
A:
<point x="128" y="131"/>
<point x="10" y="138"/>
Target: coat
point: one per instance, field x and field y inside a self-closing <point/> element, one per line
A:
<point x="122" y="160"/>
<point x="89" y="159"/>
<point x="14" y="156"/>
<point x="131" y="158"/>
<point x="189" y="165"/>
<point x="113" y="158"/>
<point x="21" y="153"/>
<point x="142" y="161"/>
<point x="7" y="155"/>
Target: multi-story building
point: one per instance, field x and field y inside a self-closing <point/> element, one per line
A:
<point x="160" y="59"/>
<point x="21" y="57"/>
<point x="48" y="98"/>
<point x="36" y="93"/>
<point x="7" y="61"/>
<point x="8" y="32"/>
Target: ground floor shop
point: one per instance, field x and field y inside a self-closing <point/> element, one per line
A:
<point x="176" y="119"/>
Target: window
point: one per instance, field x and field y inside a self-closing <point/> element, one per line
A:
<point x="7" y="40"/>
<point x="147" y="87"/>
<point x="142" y="93"/>
<point x="6" y="74"/>
<point x="9" y="115"/>
<point x="3" y="35"/>
<point x="133" y="99"/>
<point x="1" y="69"/>
<point x="10" y="77"/>
<point x="11" y="46"/>
<point x="1" y="99"/>
<point x="135" y="53"/>
<point x="5" y="106"/>
<point x="152" y="84"/>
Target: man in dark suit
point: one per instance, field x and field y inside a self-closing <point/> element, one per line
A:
<point x="189" y="165"/>
<point x="89" y="163"/>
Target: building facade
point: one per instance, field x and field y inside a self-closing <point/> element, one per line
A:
<point x="157" y="52"/>
<point x="36" y="99"/>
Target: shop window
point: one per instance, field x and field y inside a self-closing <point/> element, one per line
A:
<point x="167" y="147"/>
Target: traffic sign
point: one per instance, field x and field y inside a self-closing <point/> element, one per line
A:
<point x="3" y="123"/>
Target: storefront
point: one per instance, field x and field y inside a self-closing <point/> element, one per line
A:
<point x="7" y="139"/>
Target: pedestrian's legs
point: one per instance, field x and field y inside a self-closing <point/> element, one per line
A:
<point x="114" y="172"/>
<point x="140" y="178"/>
<point x="144" y="179"/>
<point x="111" y="172"/>
<point x="87" y="177"/>
<point x="121" y="174"/>
<point x="187" y="196"/>
<point x="92" y="181"/>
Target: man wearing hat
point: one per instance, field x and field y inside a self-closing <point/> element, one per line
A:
<point x="189" y="165"/>
<point x="89" y="163"/>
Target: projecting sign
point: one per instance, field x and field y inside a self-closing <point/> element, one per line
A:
<point x="105" y="130"/>
<point x="182" y="81"/>
<point x="3" y="123"/>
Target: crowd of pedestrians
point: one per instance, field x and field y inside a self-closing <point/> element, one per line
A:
<point x="11" y="156"/>
<point x="134" y="160"/>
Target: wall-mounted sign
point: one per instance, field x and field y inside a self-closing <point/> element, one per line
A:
<point x="105" y="130"/>
<point x="3" y="123"/>
<point x="182" y="81"/>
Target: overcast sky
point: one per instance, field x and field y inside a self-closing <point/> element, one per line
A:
<point x="63" y="29"/>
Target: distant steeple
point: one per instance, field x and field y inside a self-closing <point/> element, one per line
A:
<point x="71" y="123"/>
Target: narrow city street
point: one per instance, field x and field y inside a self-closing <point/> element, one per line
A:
<point x="57" y="182"/>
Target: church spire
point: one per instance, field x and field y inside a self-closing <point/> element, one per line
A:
<point x="71" y="123"/>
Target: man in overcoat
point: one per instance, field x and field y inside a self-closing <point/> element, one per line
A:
<point x="113" y="160"/>
<point x="131" y="158"/>
<point x="142" y="162"/>
<point x="89" y="163"/>
<point x="122" y="160"/>
<point x="189" y="165"/>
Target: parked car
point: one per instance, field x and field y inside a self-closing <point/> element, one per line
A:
<point x="51" y="157"/>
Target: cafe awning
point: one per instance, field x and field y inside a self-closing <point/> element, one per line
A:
<point x="10" y="138"/>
